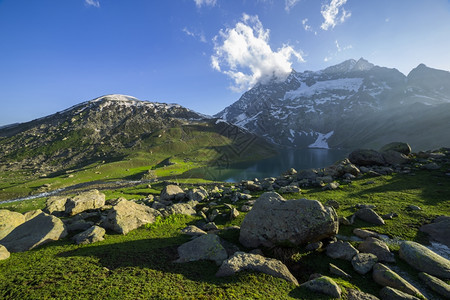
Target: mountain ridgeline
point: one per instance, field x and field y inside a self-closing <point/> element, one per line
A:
<point x="349" y="105"/>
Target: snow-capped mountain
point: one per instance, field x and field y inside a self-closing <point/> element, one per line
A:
<point x="328" y="108"/>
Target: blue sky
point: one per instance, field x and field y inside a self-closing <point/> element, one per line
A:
<point x="199" y="53"/>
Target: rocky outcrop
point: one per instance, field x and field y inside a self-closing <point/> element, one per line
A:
<point x="274" y="220"/>
<point x="241" y="261"/>
<point x="38" y="230"/>
<point x="4" y="253"/>
<point x="324" y="285"/>
<point x="8" y="221"/>
<point x="386" y="277"/>
<point x="92" y="235"/>
<point x="425" y="260"/>
<point x="439" y="230"/>
<point x="204" y="247"/>
<point x="126" y="215"/>
<point x="172" y="193"/>
<point x="85" y="201"/>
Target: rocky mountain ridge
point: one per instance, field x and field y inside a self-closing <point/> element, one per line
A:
<point x="328" y="108"/>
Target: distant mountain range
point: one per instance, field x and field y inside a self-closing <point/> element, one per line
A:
<point x="349" y="105"/>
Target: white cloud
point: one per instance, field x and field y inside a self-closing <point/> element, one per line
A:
<point x="200" y="36"/>
<point x="244" y="54"/>
<point x="95" y="3"/>
<point x="333" y="14"/>
<point x="200" y="3"/>
<point x="305" y="25"/>
<point x="288" y="4"/>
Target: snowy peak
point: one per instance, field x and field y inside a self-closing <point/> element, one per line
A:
<point x="362" y="65"/>
<point x="343" y="67"/>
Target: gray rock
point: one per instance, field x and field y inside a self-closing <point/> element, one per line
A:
<point x="338" y="272"/>
<point x="399" y="147"/>
<point x="246" y="208"/>
<point x="386" y="277"/>
<point x="289" y="189"/>
<point x="234" y="213"/>
<point x="388" y="293"/>
<point x="210" y="226"/>
<point x="377" y="247"/>
<point x="425" y="260"/>
<point x="366" y="157"/>
<point x="78" y="225"/>
<point x="241" y="261"/>
<point x="172" y="193"/>
<point x="344" y="221"/>
<point x="204" y="247"/>
<point x="4" y="253"/>
<point x="314" y="246"/>
<point x="91" y="235"/>
<point x="431" y="166"/>
<point x="341" y="250"/>
<point x="126" y="215"/>
<point x="192" y="230"/>
<point x="331" y="186"/>
<point x="439" y="230"/>
<point x="56" y="205"/>
<point x="84" y="201"/>
<point x="436" y="284"/>
<point x="395" y="158"/>
<point x="274" y="220"/>
<point x="9" y="220"/>
<point x="213" y="214"/>
<point x="413" y="207"/>
<point x="358" y="295"/>
<point x="197" y="194"/>
<point x="363" y="262"/>
<point x="333" y="203"/>
<point x="370" y="216"/>
<point x="39" y="229"/>
<point x="324" y="285"/>
<point x="362" y="233"/>
<point x="181" y="209"/>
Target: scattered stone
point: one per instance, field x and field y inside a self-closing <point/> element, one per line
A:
<point x="333" y="203"/>
<point x="38" y="230"/>
<point x="362" y="233"/>
<point x="341" y="250"/>
<point x="436" y="284"/>
<point x="234" y="213"/>
<point x="314" y="246"/>
<point x="431" y="166"/>
<point x="324" y="285"/>
<point x="413" y="207"/>
<point x="4" y="253"/>
<point x="424" y="260"/>
<point x="56" y="206"/>
<point x="213" y="214"/>
<point x="389" y="216"/>
<point x="360" y="206"/>
<point x="210" y="226"/>
<point x="84" y="201"/>
<point x="370" y="216"/>
<point x="377" y="247"/>
<point x="366" y="157"/>
<point x="92" y="235"/>
<point x="369" y="182"/>
<point x="204" y="247"/>
<point x="172" y="192"/>
<point x="395" y="158"/>
<point x="181" y="209"/>
<point x="344" y="221"/>
<point x="439" y="230"/>
<point x="192" y="230"/>
<point x="241" y="261"/>
<point x="388" y="293"/>
<point x="363" y="262"/>
<point x="274" y="220"/>
<point x="126" y="215"/>
<point x="338" y="272"/>
<point x="331" y="186"/>
<point x="290" y="189"/>
<point x="399" y="147"/>
<point x="353" y="294"/>
<point x="197" y="194"/>
<point x="246" y="208"/>
<point x="9" y="220"/>
<point x="386" y="277"/>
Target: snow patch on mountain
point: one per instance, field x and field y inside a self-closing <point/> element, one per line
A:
<point x="321" y="141"/>
<point x="341" y="84"/>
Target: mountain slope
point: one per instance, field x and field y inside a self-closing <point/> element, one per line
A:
<point x="116" y="126"/>
<point x="324" y="108"/>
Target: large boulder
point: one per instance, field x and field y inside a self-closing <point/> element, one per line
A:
<point x="38" y="230"/>
<point x="8" y="221"/>
<point x="366" y="157"/>
<point x="386" y="277"/>
<point x="425" y="260"/>
<point x="172" y="192"/>
<point x="399" y="147"/>
<point x="274" y="220"/>
<point x="126" y="215"/>
<point x="241" y="261"/>
<point x="85" y="201"/>
<point x="89" y="236"/>
<point x="56" y="206"/>
<point x="395" y="158"/>
<point x="436" y="284"/>
<point x="439" y="230"/>
<point x="204" y="247"/>
<point x="324" y="285"/>
<point x="4" y="253"/>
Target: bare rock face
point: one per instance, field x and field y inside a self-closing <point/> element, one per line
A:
<point x="425" y="260"/>
<point x="126" y="215"/>
<point x="274" y="220"/>
<point x="39" y="229"/>
<point x="241" y="261"/>
<point x="85" y="201"/>
<point x="8" y="221"/>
